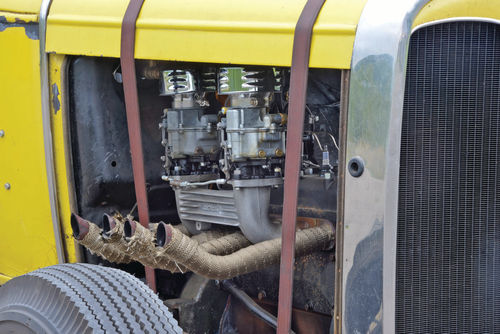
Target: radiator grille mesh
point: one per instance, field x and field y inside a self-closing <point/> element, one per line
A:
<point x="448" y="241"/>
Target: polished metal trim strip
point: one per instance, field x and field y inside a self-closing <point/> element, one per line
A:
<point x="377" y="82"/>
<point x="47" y="131"/>
<point x="456" y="19"/>
<point x="339" y="235"/>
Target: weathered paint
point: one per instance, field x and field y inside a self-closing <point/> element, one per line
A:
<point x="219" y="31"/>
<point x="26" y="239"/>
<point x="56" y="104"/>
<point x="14" y="20"/>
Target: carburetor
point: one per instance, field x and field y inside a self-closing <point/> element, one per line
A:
<point x="189" y="133"/>
<point x="242" y="146"/>
<point x="255" y="138"/>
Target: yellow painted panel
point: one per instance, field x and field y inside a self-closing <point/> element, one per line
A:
<point x="220" y="31"/>
<point x="444" y="9"/>
<point x="58" y="110"/>
<point x="17" y="17"/>
<point x="26" y="237"/>
<point x="21" y="6"/>
<point x="4" y="279"/>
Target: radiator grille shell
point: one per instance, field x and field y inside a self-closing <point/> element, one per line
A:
<point x="448" y="238"/>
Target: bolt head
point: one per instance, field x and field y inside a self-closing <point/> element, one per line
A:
<point x="2" y="133"/>
<point x="7" y="186"/>
<point x="254" y="102"/>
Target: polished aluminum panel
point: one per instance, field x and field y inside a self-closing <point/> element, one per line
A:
<point x="374" y="134"/>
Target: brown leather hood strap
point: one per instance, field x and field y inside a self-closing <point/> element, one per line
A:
<point x="127" y="62"/>
<point x="296" y="109"/>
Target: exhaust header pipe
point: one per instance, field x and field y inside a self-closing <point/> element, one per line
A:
<point x="109" y="226"/>
<point x="89" y="235"/>
<point x="215" y="254"/>
<point x="79" y="226"/>
<point x="129" y="228"/>
<point x="185" y="251"/>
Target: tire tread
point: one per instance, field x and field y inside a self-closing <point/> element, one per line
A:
<point x="85" y="298"/>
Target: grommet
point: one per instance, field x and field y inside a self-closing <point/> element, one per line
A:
<point x="356" y="166"/>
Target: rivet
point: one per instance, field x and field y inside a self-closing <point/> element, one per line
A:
<point x="7" y="186"/>
<point x="2" y="133"/>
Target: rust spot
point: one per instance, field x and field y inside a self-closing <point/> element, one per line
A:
<point x="244" y="321"/>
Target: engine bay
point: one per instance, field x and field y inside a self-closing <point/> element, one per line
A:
<point x="220" y="145"/>
<point x="214" y="139"/>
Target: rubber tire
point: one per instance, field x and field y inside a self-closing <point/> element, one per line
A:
<point x="82" y="298"/>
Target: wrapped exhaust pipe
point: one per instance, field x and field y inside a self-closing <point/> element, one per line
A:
<point x="112" y="231"/>
<point x="89" y="235"/>
<point x="123" y="242"/>
<point x="185" y="251"/>
<point x="140" y="244"/>
<point x="112" y="228"/>
<point x="208" y="235"/>
<point x="140" y="241"/>
<point x="224" y="245"/>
